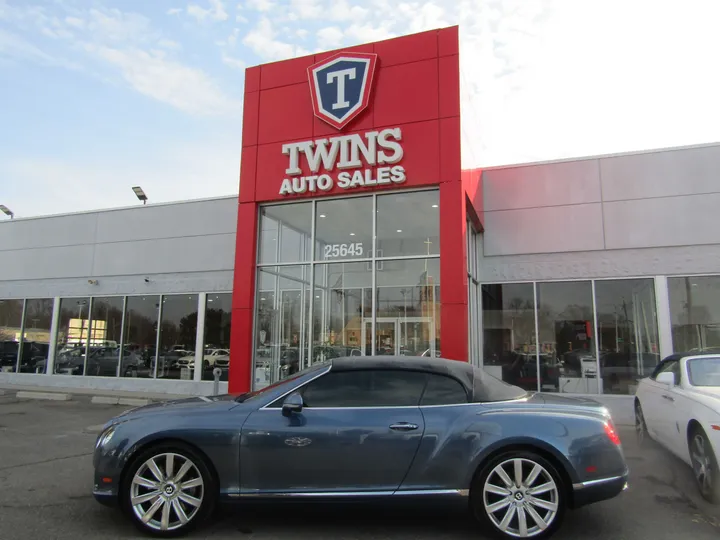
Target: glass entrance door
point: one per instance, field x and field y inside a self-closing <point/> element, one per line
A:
<point x="401" y="336"/>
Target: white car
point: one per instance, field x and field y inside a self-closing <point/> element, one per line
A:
<point x="678" y="406"/>
<point x="209" y="360"/>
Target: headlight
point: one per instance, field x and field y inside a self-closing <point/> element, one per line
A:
<point x="105" y="436"/>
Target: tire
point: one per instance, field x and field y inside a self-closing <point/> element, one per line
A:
<point x="167" y="503"/>
<point x="491" y="491"/>
<point x="641" y="432"/>
<point x="704" y="465"/>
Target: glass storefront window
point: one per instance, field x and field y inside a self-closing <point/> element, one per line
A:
<point x="105" y="328"/>
<point x="218" y="312"/>
<point x="567" y="337"/>
<point x="695" y="313"/>
<point x="11" y="313"/>
<point x="140" y="340"/>
<point x="72" y="336"/>
<point x="35" y="346"/>
<point x="407" y="308"/>
<point x="285" y="233"/>
<point x="282" y="326"/>
<point x="344" y="229"/>
<point x="298" y="322"/>
<point x="342" y="302"/>
<point x="627" y="333"/>
<point x="408" y="224"/>
<point x="509" y="342"/>
<point x="178" y="331"/>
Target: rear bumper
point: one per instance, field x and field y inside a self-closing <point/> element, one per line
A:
<point x="602" y="489"/>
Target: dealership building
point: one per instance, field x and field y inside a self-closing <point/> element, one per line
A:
<point x="357" y="232"/>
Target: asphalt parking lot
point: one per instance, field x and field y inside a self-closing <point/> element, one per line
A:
<point x="46" y="482"/>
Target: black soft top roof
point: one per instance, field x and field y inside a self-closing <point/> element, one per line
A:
<point x="479" y="385"/>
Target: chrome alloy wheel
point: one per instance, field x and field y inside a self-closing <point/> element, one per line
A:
<point x="167" y="492"/>
<point x="702" y="464"/>
<point x="521" y="498"/>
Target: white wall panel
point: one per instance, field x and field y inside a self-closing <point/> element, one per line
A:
<point x="70" y="230"/>
<point x="602" y="264"/>
<point x="556" y="184"/>
<point x="668" y="221"/>
<point x="543" y="230"/>
<point x="168" y="221"/>
<point x="46" y="263"/>
<point x="661" y="174"/>
<point x="194" y="254"/>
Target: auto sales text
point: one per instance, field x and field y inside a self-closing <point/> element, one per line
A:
<point x="342" y="153"/>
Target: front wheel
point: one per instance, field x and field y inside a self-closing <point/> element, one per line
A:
<point x="519" y="495"/>
<point x="704" y="466"/>
<point x="168" y="490"/>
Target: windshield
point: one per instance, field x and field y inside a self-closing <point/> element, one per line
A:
<point x="489" y="388"/>
<point x="257" y="393"/>
<point x="704" y="371"/>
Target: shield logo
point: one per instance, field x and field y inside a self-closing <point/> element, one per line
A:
<point x="340" y="86"/>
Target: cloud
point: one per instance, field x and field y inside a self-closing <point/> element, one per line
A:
<point x="234" y="62"/>
<point x="75" y="22"/>
<point x="215" y="11"/>
<point x="174" y="11"/>
<point x="15" y="48"/>
<point x="329" y="37"/>
<point x="155" y="76"/>
<point x="175" y="171"/>
<point x="259" y="5"/>
<point x="306" y="9"/>
<point x="261" y="40"/>
<point x="341" y="10"/>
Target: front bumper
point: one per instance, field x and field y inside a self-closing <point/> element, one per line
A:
<point x="104" y="496"/>
<point x="585" y="493"/>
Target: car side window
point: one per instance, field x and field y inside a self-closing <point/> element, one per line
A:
<point x="365" y="388"/>
<point x="442" y="390"/>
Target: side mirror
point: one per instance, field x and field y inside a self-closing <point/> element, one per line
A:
<point x="292" y="404"/>
<point x="666" y="378"/>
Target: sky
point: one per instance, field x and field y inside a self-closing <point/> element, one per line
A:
<point x="97" y="96"/>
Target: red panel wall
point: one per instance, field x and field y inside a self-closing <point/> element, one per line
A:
<point x="416" y="88"/>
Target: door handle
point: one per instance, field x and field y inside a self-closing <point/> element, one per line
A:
<point x="669" y="398"/>
<point x="403" y="426"/>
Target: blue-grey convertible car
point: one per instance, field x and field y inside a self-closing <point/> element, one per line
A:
<point x="365" y="427"/>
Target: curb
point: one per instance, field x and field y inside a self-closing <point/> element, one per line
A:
<point x="110" y="400"/>
<point x="53" y="396"/>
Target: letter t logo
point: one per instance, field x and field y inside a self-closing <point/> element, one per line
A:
<point x="340" y="76"/>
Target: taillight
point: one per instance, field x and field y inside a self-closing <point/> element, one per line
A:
<point x="611" y="433"/>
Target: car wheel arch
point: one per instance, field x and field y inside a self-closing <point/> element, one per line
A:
<point x="527" y="444"/>
<point x="693" y="425"/>
<point x="146" y="444"/>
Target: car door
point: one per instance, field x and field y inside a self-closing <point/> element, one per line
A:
<point x="358" y="432"/>
<point x="664" y="406"/>
<point x="655" y="403"/>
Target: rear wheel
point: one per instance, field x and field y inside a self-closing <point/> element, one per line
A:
<point x="704" y="465"/>
<point x="519" y="494"/>
<point x="168" y="490"/>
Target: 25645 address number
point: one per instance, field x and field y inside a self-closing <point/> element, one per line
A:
<point x="333" y="251"/>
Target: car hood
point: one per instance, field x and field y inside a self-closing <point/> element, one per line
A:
<point x="183" y="405"/>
